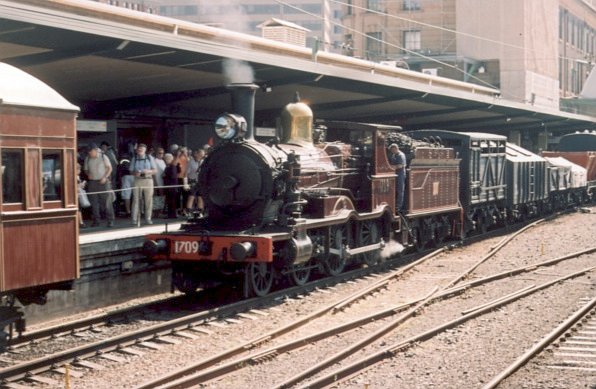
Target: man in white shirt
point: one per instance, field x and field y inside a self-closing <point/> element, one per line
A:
<point x="99" y="169"/>
<point x="142" y="167"/>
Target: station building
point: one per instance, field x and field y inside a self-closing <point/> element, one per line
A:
<point x="536" y="52"/>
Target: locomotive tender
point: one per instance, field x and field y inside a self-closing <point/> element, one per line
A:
<point x="38" y="196"/>
<point x="290" y="205"/>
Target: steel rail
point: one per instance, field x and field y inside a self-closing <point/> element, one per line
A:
<point x="384" y="280"/>
<point x="87" y="323"/>
<point x="239" y="349"/>
<point x="387" y="352"/>
<point x="39" y="365"/>
<point x="230" y="367"/>
<point x="522" y="269"/>
<point x="201" y="372"/>
<point x="43" y="364"/>
<point x="371" y="338"/>
<point x="544" y="342"/>
<point x="493" y="251"/>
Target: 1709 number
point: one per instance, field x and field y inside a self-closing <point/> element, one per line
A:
<point x="186" y="247"/>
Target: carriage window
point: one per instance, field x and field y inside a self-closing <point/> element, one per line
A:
<point x="52" y="175"/>
<point x="12" y="176"/>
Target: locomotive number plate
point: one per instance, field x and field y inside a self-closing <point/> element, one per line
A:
<point x="186" y="247"/>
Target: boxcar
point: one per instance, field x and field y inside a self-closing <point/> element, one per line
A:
<point x="38" y="195"/>
<point x="527" y="182"/>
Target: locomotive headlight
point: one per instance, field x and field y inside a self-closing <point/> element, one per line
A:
<point x="228" y="125"/>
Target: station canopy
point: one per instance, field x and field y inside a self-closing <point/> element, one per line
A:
<point x="108" y="59"/>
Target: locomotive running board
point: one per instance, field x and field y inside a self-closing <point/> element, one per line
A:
<point x="348" y="252"/>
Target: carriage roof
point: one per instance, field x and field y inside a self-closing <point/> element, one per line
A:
<point x="18" y="88"/>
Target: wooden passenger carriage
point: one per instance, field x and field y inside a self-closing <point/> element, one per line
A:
<point x="38" y="195"/>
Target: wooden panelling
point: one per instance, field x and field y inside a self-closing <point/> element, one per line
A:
<point x="50" y="254"/>
<point x="50" y="143"/>
<point x="39" y="241"/>
<point x="34" y="122"/>
<point x="69" y="184"/>
<point x="33" y="178"/>
<point x="2" y="287"/>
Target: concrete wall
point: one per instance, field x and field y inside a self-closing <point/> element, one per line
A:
<point x="528" y="57"/>
<point x="397" y="20"/>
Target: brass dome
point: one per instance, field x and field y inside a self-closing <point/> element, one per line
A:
<point x="296" y="124"/>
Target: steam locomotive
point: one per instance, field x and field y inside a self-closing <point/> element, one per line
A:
<point x="286" y="207"/>
<point x="323" y="195"/>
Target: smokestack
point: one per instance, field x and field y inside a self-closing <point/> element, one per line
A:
<point x="243" y="103"/>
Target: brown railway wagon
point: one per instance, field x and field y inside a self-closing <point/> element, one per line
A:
<point x="38" y="195"/>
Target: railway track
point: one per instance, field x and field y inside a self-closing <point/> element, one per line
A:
<point x="574" y="351"/>
<point x="206" y="369"/>
<point x="148" y="337"/>
<point x="180" y="327"/>
<point x="139" y="311"/>
<point x="387" y="352"/>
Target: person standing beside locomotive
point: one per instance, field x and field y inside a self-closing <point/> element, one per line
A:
<point x="398" y="160"/>
<point x="127" y="182"/>
<point x="192" y="176"/>
<point x="109" y="152"/>
<point x="142" y="167"/>
<point x="160" y="195"/>
<point x="181" y="159"/>
<point x="160" y="164"/>
<point x="170" y="178"/>
<point x="98" y="169"/>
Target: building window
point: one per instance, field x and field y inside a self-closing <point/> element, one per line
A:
<point x="373" y="5"/>
<point x="12" y="176"/>
<point x="374" y="45"/>
<point x="349" y="11"/>
<point x="51" y="172"/>
<point x="412" y="40"/>
<point x="411" y="5"/>
<point x="561" y="23"/>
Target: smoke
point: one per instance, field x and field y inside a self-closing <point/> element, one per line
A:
<point x="236" y="71"/>
<point x="230" y="15"/>
<point x="391" y="249"/>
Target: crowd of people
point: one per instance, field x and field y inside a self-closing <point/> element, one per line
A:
<point x="144" y="183"/>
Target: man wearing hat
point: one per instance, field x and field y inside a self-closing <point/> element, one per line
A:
<point x="99" y="169"/>
<point x="398" y="160"/>
<point x="143" y="168"/>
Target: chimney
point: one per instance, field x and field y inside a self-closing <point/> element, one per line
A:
<point x="243" y="103"/>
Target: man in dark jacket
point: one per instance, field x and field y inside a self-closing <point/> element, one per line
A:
<point x="398" y="160"/>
